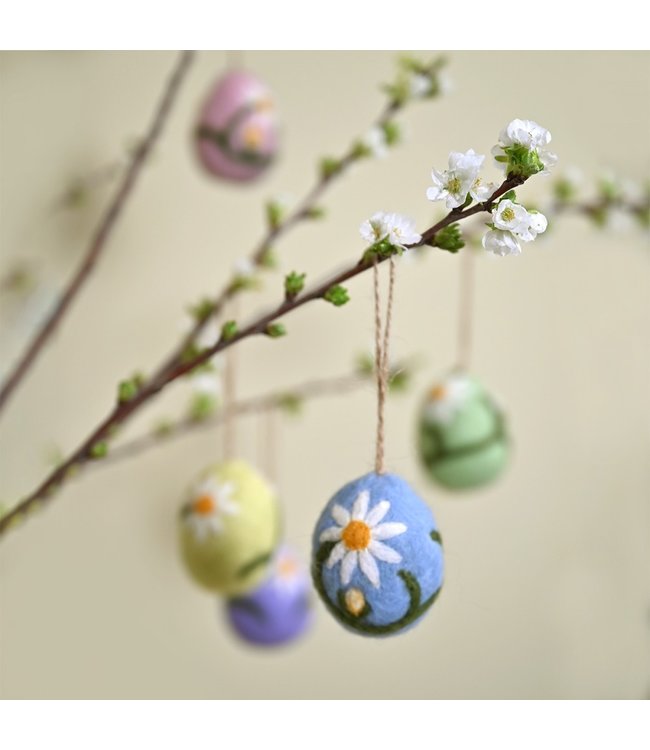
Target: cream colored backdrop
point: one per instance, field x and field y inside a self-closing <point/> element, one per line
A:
<point x="546" y="592"/>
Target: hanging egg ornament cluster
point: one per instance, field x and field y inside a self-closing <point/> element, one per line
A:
<point x="462" y="436"/>
<point x="377" y="560"/>
<point x="237" y="132"/>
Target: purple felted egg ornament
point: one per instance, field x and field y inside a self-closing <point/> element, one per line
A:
<point x="237" y="132"/>
<point x="278" y="611"/>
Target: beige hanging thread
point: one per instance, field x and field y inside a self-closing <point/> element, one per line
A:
<point x="381" y="359"/>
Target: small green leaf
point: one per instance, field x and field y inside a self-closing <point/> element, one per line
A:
<point x="274" y="214"/>
<point x="392" y="132"/>
<point x="315" y="212"/>
<point x="202" y="310"/>
<point x="275" y="330"/>
<point x="99" y="449"/>
<point x="511" y="195"/>
<point x="294" y="283"/>
<point x="329" y="166"/>
<point x="449" y="238"/>
<point x="202" y="405"/>
<point x="229" y="330"/>
<point x="127" y="390"/>
<point x="268" y="259"/>
<point x="337" y="295"/>
<point x="290" y="403"/>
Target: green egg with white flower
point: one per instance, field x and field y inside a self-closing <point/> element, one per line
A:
<point x="462" y="434"/>
<point x="228" y="528"/>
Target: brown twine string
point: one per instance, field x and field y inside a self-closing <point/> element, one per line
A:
<point x="465" y="310"/>
<point x="381" y="360"/>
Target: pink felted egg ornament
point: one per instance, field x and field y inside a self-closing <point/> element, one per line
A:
<point x="237" y="131"/>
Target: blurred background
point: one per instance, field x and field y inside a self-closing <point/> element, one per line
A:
<point x="547" y="582"/>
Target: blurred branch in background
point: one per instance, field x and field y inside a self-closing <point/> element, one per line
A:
<point x="102" y="233"/>
<point x="289" y="400"/>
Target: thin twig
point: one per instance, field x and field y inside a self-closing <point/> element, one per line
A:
<point x="121" y="412"/>
<point x="102" y="233"/>
<point x="258" y="254"/>
<point x="256" y="405"/>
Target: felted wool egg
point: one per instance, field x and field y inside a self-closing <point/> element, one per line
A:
<point x="237" y="131"/>
<point x="377" y="556"/>
<point x="279" y="611"/>
<point x="229" y="528"/>
<point x="462" y="434"/>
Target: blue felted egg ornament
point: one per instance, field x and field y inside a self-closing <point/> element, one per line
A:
<point x="377" y="560"/>
<point x="462" y="437"/>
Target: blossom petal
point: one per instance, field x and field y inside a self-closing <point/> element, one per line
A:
<point x="348" y="566"/>
<point x="377" y="513"/>
<point x="384" y="553"/>
<point x="388" y="530"/>
<point x="335" y="555"/>
<point x="333" y="534"/>
<point x="360" y="507"/>
<point x="369" y="567"/>
<point x="340" y="515"/>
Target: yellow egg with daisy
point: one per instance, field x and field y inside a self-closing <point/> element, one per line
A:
<point x="229" y="528"/>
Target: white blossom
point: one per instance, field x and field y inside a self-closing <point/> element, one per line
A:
<point x="452" y="185"/>
<point x="399" y="230"/>
<point x="211" y="501"/>
<point x="529" y="134"/>
<point x="419" y="85"/>
<point x="375" y="141"/>
<point x="501" y="243"/>
<point x="207" y="383"/>
<point x="447" y="398"/>
<point x="243" y="268"/>
<point x="513" y="217"/>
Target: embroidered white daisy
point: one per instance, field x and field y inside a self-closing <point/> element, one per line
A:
<point x="212" y="500"/>
<point x="447" y="398"/>
<point x="360" y="538"/>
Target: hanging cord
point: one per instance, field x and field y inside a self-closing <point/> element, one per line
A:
<point x="465" y="310"/>
<point x="269" y="444"/>
<point x="381" y="359"/>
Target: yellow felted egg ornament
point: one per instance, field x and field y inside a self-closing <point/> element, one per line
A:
<point x="229" y="528"/>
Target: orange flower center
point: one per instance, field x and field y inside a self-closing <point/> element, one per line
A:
<point x="438" y="392"/>
<point x="287" y="567"/>
<point x="356" y="535"/>
<point x="204" y="505"/>
<point x="252" y="136"/>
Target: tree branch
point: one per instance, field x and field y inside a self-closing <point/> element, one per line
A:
<point x="103" y="231"/>
<point x="122" y="411"/>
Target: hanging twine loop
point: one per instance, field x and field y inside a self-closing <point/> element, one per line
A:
<point x="465" y="310"/>
<point x="382" y="339"/>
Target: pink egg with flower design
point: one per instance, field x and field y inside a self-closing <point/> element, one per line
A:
<point x="237" y="132"/>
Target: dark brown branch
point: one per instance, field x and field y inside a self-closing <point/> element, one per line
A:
<point x="102" y="233"/>
<point x="122" y="411"/>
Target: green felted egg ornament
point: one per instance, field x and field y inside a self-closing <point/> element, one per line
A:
<point x="229" y="528"/>
<point x="462" y="436"/>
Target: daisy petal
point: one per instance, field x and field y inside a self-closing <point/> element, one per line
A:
<point x="369" y="567"/>
<point x="340" y="515"/>
<point x="335" y="555"/>
<point x="360" y="507"/>
<point x="348" y="566"/>
<point x="333" y="534"/>
<point x="377" y="513"/>
<point x="384" y="553"/>
<point x="388" y="530"/>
